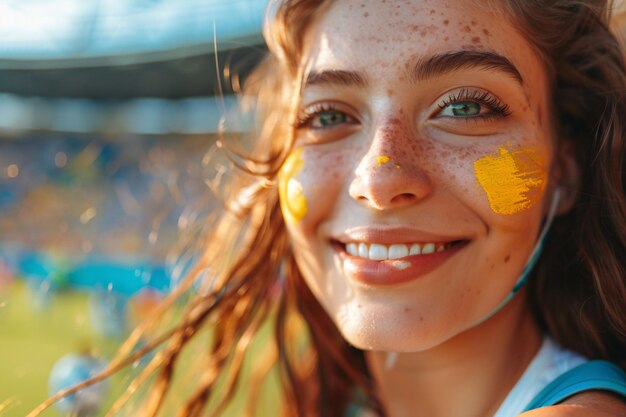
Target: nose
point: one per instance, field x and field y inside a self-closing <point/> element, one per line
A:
<point x="389" y="176"/>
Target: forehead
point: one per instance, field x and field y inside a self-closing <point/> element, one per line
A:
<point x="382" y="37"/>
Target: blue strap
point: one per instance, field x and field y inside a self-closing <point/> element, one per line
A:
<point x="593" y="375"/>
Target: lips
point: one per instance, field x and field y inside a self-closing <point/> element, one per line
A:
<point x="389" y="255"/>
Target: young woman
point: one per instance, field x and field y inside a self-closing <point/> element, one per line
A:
<point x="437" y="197"/>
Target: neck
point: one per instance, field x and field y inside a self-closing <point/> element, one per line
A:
<point x="468" y="375"/>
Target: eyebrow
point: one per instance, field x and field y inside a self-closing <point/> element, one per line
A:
<point x="452" y="61"/>
<point x="336" y="77"/>
<point x="423" y="69"/>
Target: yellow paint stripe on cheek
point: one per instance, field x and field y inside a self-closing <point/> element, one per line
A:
<point x="292" y="200"/>
<point x="513" y="181"/>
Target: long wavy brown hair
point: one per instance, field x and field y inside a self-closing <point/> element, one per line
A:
<point x="577" y="289"/>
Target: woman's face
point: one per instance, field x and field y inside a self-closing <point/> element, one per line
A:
<point x="420" y="176"/>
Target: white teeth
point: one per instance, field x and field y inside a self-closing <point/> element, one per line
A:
<point x="398" y="251"/>
<point x="415" y="249"/>
<point x="363" y="251"/>
<point x="428" y="248"/>
<point x="378" y="252"/>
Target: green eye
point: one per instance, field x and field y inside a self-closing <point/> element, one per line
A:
<point x="462" y="108"/>
<point x="324" y="116"/>
<point x="329" y="118"/>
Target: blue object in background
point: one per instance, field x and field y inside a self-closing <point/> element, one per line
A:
<point x="127" y="279"/>
<point x="91" y="274"/>
<point x="44" y="270"/>
<point x="73" y="369"/>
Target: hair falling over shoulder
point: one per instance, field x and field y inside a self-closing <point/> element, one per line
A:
<point x="577" y="291"/>
<point x="579" y="287"/>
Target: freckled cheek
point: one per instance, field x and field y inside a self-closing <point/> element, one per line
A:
<point x="324" y="185"/>
<point x="502" y="175"/>
<point x="448" y="167"/>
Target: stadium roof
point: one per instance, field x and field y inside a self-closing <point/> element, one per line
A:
<point x="69" y="33"/>
<point x="122" y="49"/>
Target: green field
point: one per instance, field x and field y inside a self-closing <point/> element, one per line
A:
<point x="32" y="339"/>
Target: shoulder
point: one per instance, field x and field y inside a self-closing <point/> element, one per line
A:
<point x="587" y="404"/>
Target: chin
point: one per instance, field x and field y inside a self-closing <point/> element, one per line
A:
<point x="382" y="329"/>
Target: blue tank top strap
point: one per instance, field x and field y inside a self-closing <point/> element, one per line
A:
<point x="592" y="375"/>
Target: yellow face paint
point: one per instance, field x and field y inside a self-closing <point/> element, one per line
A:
<point x="513" y="181"/>
<point x="383" y="159"/>
<point x="292" y="199"/>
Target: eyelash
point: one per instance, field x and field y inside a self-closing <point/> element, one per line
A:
<point x="307" y="115"/>
<point x="497" y="108"/>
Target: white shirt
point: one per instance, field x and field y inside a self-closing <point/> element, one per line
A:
<point x="550" y="362"/>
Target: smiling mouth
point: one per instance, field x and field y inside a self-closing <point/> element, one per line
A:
<point x="383" y="252"/>
<point x="378" y="264"/>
